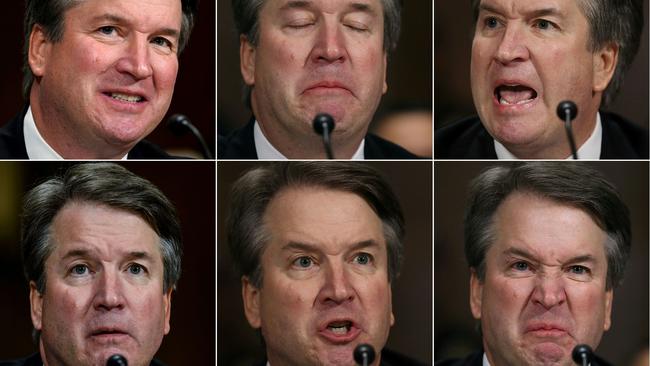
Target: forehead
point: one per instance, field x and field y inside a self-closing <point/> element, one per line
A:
<point x="374" y="7"/>
<point x="512" y="7"/>
<point x="162" y="13"/>
<point x="103" y="230"/>
<point x="320" y="215"/>
<point x="550" y="229"/>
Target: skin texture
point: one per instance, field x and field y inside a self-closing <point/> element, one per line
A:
<point x="132" y="52"/>
<point x="316" y="56"/>
<point x="104" y="274"/>
<point x="544" y="289"/>
<point x="520" y="42"/>
<point x="326" y="261"/>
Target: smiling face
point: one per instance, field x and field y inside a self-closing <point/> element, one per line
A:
<point x="325" y="282"/>
<point x="104" y="289"/>
<point x="544" y="288"/>
<point x="316" y="56"/>
<point x="109" y="81"/>
<point x="527" y="57"/>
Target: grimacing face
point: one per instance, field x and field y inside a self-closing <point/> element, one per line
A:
<point x="325" y="285"/>
<point x="527" y="57"/>
<point x="316" y="56"/>
<point x="544" y="288"/>
<point x="104" y="289"/>
<point x="110" y="79"/>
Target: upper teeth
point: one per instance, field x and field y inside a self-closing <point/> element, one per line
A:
<point x="339" y="329"/>
<point x="126" y="97"/>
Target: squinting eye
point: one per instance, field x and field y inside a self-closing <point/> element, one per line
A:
<point x="160" y="41"/>
<point x="363" y="258"/>
<point x="520" y="266"/>
<point x="107" y="30"/>
<point x="303" y="262"/>
<point x="579" y="270"/>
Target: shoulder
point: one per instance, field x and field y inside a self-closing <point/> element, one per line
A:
<point x="392" y="358"/>
<point x="239" y="144"/>
<point x="622" y="139"/>
<point x="12" y="141"/>
<point x="377" y="148"/>
<point x="474" y="359"/>
<point x="464" y="139"/>
<point x="33" y="360"/>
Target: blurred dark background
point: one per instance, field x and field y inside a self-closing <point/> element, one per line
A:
<point x="194" y="93"/>
<point x="191" y="338"/>
<point x="455" y="328"/>
<point x="453" y="44"/>
<point x="238" y="344"/>
<point x="408" y="74"/>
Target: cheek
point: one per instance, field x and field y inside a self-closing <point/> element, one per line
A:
<point x="165" y="71"/>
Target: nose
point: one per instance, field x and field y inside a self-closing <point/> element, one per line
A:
<point x="549" y="291"/>
<point x="512" y="46"/>
<point x="337" y="287"/>
<point x="329" y="46"/>
<point x="135" y="60"/>
<point x="109" y="294"/>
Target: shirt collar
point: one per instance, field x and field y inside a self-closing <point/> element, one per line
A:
<point x="36" y="146"/>
<point x="589" y="150"/>
<point x="485" y="360"/>
<point x="266" y="151"/>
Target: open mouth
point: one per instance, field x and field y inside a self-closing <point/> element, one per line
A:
<point x="514" y="94"/>
<point x="128" y="98"/>
<point x="339" y="327"/>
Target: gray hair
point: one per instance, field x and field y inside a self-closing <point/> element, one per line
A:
<point x="253" y="191"/>
<point x="566" y="183"/>
<point x="247" y="12"/>
<point x="104" y="183"/>
<point x="50" y="14"/>
<point x="610" y="21"/>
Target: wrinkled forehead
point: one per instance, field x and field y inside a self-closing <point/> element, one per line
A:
<point x="372" y="7"/>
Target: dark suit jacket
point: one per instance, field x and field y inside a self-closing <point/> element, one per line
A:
<point x="240" y="144"/>
<point x="12" y="143"/>
<point x="476" y="359"/>
<point x="468" y="139"/>
<point x="388" y="358"/>
<point x="35" y="360"/>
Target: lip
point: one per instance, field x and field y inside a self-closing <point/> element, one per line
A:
<point x="514" y="108"/>
<point x="546" y="330"/>
<point x="122" y="105"/>
<point x="334" y="338"/>
<point x="327" y="86"/>
<point x="109" y="335"/>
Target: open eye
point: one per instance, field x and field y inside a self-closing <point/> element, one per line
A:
<point x="79" y="270"/>
<point x="303" y="262"/>
<point x="520" y="266"/>
<point x="491" y="22"/>
<point x="363" y="258"/>
<point x="579" y="270"/>
<point x="107" y="30"/>
<point x="136" y="269"/>
<point x="162" y="41"/>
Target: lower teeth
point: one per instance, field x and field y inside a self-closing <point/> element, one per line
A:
<point x="339" y="330"/>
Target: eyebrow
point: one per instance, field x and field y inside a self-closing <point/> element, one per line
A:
<point x="526" y="254"/>
<point x="532" y="13"/>
<point x="306" y="4"/>
<point x="308" y="247"/>
<point x="85" y="253"/>
<point x="114" y="18"/>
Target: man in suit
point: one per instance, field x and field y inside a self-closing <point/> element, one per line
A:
<point x="98" y="77"/>
<point x="527" y="57"/>
<point x="299" y="59"/>
<point x="546" y="245"/>
<point x="101" y="249"/>
<point x="318" y="249"/>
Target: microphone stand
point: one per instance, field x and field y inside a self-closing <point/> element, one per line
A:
<point x="323" y="124"/>
<point x="567" y="111"/>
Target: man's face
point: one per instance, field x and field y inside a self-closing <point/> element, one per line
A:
<point x="544" y="289"/>
<point x="325" y="285"/>
<point x="527" y="57"/>
<point x="111" y="77"/>
<point x="316" y="56"/>
<point x="104" y="289"/>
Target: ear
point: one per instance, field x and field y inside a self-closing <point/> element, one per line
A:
<point x="247" y="60"/>
<point x="251" y="297"/>
<point x="605" y="61"/>
<point x="385" y="61"/>
<point x="475" y="294"/>
<point x="609" y="298"/>
<point x="38" y="51"/>
<point x="167" y="306"/>
<point x="390" y="299"/>
<point x="36" y="306"/>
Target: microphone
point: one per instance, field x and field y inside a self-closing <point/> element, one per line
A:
<point x="364" y="354"/>
<point x="117" y="360"/>
<point x="582" y="355"/>
<point x="323" y="124"/>
<point x="179" y="124"/>
<point x="567" y="112"/>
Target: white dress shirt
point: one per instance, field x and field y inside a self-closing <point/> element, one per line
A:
<point x="589" y="150"/>
<point x="36" y="146"/>
<point x="485" y="360"/>
<point x="265" y="150"/>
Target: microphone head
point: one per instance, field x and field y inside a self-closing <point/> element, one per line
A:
<point x="323" y="120"/>
<point x="117" y="360"/>
<point x="565" y="107"/>
<point x="361" y="350"/>
<point x="178" y="124"/>
<point x="579" y="350"/>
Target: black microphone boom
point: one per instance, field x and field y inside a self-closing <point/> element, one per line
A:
<point x="364" y="354"/>
<point x="117" y="360"/>
<point x="180" y="124"/>
<point x="323" y="124"/>
<point x="582" y="355"/>
<point x="567" y="111"/>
